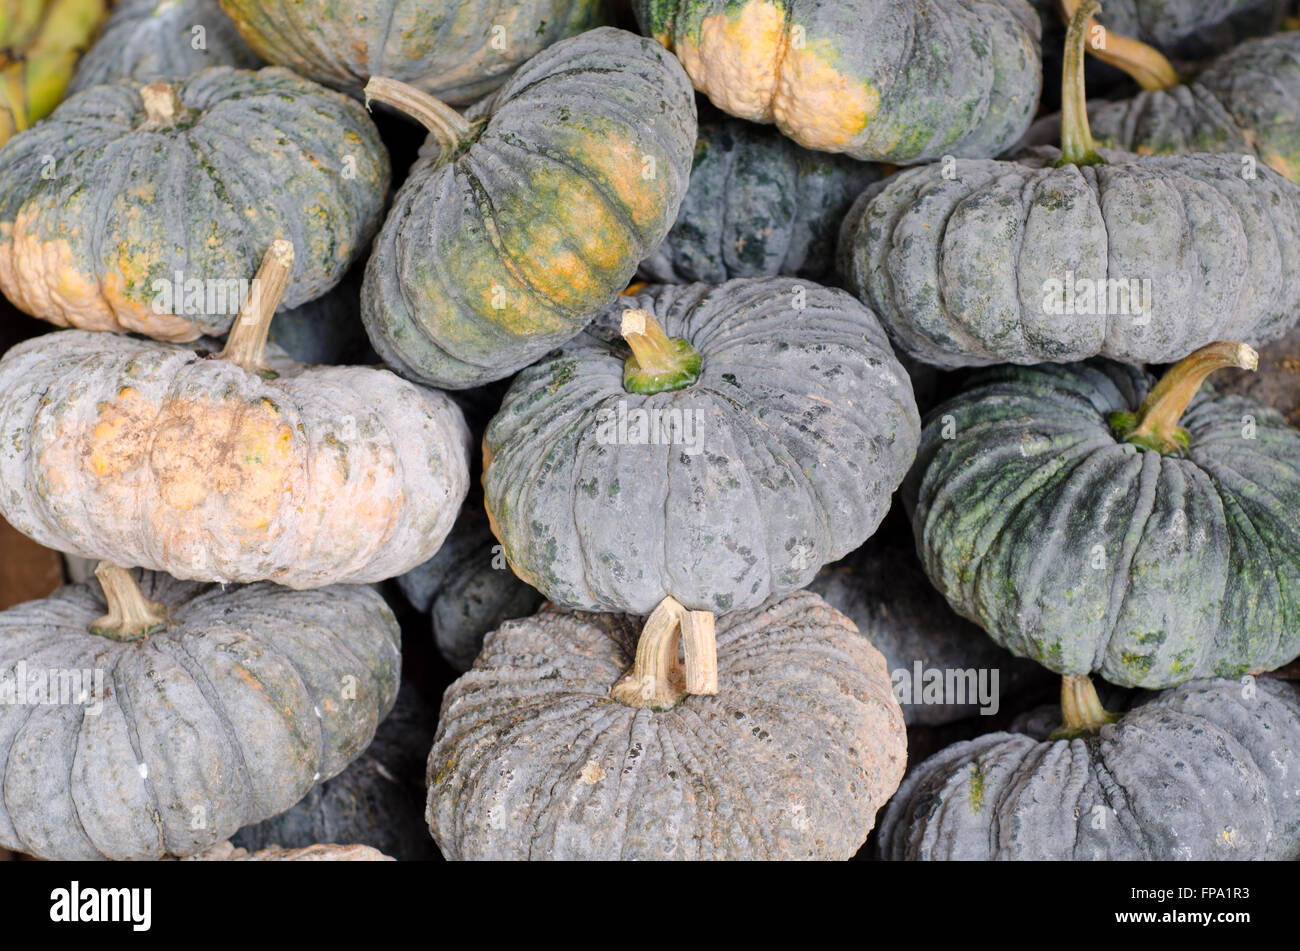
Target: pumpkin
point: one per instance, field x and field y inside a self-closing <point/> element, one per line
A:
<point x="455" y="51"/>
<point x="1207" y="771"/>
<point x="143" y="208"/>
<point x="377" y="801"/>
<point x="884" y="592"/>
<point x="223" y="469"/>
<point x="227" y="852"/>
<point x="1277" y="381"/>
<point x="199" y="709"/>
<point x="757" y="205"/>
<point x="1066" y="511"/>
<point x="755" y="432"/>
<point x="467" y="588"/>
<point x="40" y="42"/>
<point x="544" y="752"/>
<point x="898" y="81"/>
<point x="1067" y="255"/>
<point x="147" y="40"/>
<point x="515" y="227"/>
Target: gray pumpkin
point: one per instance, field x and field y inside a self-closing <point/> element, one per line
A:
<point x="882" y="590"/>
<point x="1152" y="554"/>
<point x="780" y="457"/>
<point x="1209" y="770"/>
<point x="467" y="588"/>
<point x="757" y="205"/>
<point x="377" y="801"/>
<point x="534" y="759"/>
<point x="147" y="40"/>
<point x="227" y="708"/>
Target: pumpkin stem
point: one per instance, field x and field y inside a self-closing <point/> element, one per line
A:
<point x="1155" y="424"/>
<point x="1146" y="64"/>
<point x="1077" y="146"/>
<point x="659" y="680"/>
<point x="131" y="616"/>
<point x="246" y="344"/>
<point x="658" y="363"/>
<point x="161" y="103"/>
<point x="449" y="127"/>
<point x="1081" y="711"/>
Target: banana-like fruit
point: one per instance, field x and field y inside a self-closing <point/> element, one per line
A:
<point x="40" y="42"/>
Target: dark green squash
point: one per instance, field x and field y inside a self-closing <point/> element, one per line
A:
<point x="1208" y="771"/>
<point x="518" y="224"/>
<point x="758" y="205"/>
<point x="1066" y="511"/>
<point x="895" y="81"/>
<point x="1071" y="254"/>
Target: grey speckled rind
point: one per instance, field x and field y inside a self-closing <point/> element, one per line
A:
<point x="757" y="205"/>
<point x="1202" y="771"/>
<point x="1089" y="554"/>
<point x="973" y="269"/>
<point x="249" y="698"/>
<point x="148" y="40"/>
<point x="781" y="458"/>
<point x="883" y="590"/>
<point x="790" y="760"/>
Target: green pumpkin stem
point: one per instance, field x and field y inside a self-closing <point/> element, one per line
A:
<point x="449" y="127"/>
<point x="659" y="363"/>
<point x="162" y="105"/>
<point x="1081" y="711"/>
<point x="1155" y="424"/>
<point x="131" y="616"/>
<point x="1145" y="64"/>
<point x="658" y="679"/>
<point x="246" y="344"/>
<point x="1077" y="146"/>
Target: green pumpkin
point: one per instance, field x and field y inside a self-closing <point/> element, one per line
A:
<point x="1206" y="771"/>
<point x="1067" y="255"/>
<point x="144" y="208"/>
<point x="516" y="226"/>
<point x="453" y="50"/>
<point x="894" y="81"/>
<point x="758" y="205"/>
<point x="215" y="708"/>
<point x="1066" y="511"/>
<point x="147" y="40"/>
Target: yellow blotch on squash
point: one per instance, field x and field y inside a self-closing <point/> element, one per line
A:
<point x="818" y="106"/>
<point x="737" y="57"/>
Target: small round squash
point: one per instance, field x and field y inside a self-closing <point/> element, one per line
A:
<point x="544" y="752"/>
<point x="142" y="208"/>
<point x="202" y="709"/>
<point x="516" y="226"/>
<point x="221" y="468"/>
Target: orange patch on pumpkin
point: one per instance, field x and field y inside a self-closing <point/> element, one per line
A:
<point x="736" y="59"/>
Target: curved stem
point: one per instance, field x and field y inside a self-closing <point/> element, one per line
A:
<point x="658" y="680"/>
<point x="246" y="344"/>
<point x="1146" y="64"/>
<point x="1077" y="147"/>
<point x="131" y="616"/>
<point x="444" y="123"/>
<point x="658" y="363"/>
<point x="1155" y="424"/>
<point x="1081" y="711"/>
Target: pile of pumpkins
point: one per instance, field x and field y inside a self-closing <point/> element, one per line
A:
<point x="618" y="385"/>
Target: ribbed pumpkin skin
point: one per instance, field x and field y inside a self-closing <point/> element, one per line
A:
<point x="1247" y="102"/>
<point x="758" y="205"/>
<point x="146" y="454"/>
<point x="249" y="698"/>
<point x="262" y="155"/>
<point x="790" y="760"/>
<point x="959" y="269"/>
<point x="829" y="73"/>
<point x="887" y="596"/>
<point x="488" y="262"/>
<point x="467" y="589"/>
<point x="1198" y="772"/>
<point x="146" y="40"/>
<point x="1089" y="554"/>
<point x="804" y="426"/>
<point x="444" y="47"/>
